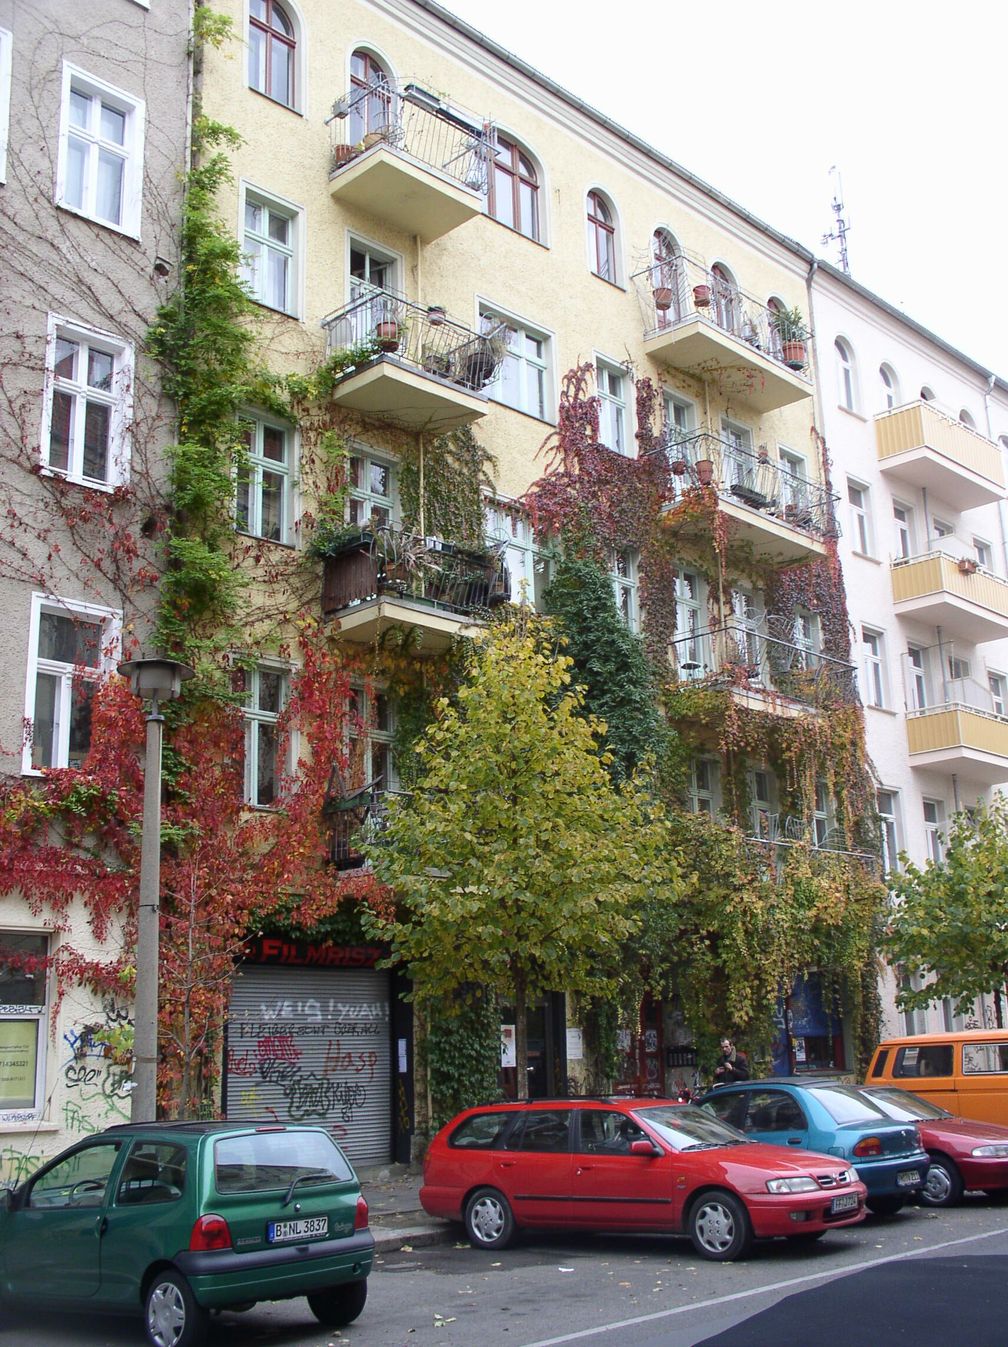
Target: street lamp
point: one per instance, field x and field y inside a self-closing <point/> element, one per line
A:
<point x="156" y="681"/>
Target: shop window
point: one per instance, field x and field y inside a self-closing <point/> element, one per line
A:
<point x="24" y="1008"/>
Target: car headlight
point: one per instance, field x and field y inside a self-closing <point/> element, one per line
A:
<point x="999" y="1150"/>
<point x="852" y="1175"/>
<point x="801" y="1183"/>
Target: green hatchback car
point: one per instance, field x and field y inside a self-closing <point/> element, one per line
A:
<point x="177" y="1219"/>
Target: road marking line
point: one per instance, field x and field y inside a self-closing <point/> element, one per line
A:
<point x="761" y="1290"/>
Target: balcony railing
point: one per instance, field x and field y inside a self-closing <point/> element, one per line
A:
<point x="383" y="323"/>
<point x="414" y="123"/>
<point x="356" y="817"/>
<point x="682" y="289"/>
<point x="737" y="655"/>
<point x="388" y="563"/>
<point x="749" y="479"/>
<point x="765" y="849"/>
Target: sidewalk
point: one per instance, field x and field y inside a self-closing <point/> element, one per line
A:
<point x="397" y="1218"/>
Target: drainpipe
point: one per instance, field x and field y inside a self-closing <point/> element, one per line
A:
<point x="955" y="792"/>
<point x="1002" y="526"/>
<point x="817" y="414"/>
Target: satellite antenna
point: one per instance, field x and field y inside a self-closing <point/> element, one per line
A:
<point x="839" y="234"/>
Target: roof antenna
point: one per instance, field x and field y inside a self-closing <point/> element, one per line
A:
<point x="839" y="234"/>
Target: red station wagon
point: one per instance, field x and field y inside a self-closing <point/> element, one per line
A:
<point x="630" y="1165"/>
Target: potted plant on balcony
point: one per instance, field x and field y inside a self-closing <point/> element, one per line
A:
<point x="342" y="154"/>
<point x="663" y="298"/>
<point x="387" y="334"/>
<point x="792" y="334"/>
<point x="702" y="296"/>
<point x="704" y="471"/>
<point x="967" y="566"/>
<point x="436" y="314"/>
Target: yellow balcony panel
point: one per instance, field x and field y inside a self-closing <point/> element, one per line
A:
<point x="921" y="445"/>
<point x="431" y="630"/>
<point x="701" y="347"/>
<point x="409" y="196"/>
<point x="388" y="390"/>
<point x="965" y="601"/>
<point x="973" y="744"/>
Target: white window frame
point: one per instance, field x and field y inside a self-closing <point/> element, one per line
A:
<point x="361" y="727"/>
<point x="890" y="386"/>
<point x="692" y="642"/>
<point x="258" y="464"/>
<point x="255" y="717"/>
<point x="528" y="566"/>
<point x="762" y="807"/>
<point x="680" y="415"/>
<point x="847" y="381"/>
<point x="111" y="619"/>
<point x="293" y="250"/>
<point x="39" y="1015"/>
<point x="703" y="788"/>
<point x="984" y="553"/>
<point x="934" y="821"/>
<point x="905" y="530"/>
<point x="119" y="399"/>
<point x="998" y="684"/>
<point x="624" y="575"/>
<point x="873" y="663"/>
<point x="614" y="421"/>
<point x="918" y="677"/>
<point x="862" y="533"/>
<point x="889" y="828"/>
<point x="365" y="496"/>
<point x="6" y="48"/>
<point x="823" y="813"/>
<point x="132" y="151"/>
<point x="358" y="287"/>
<point x="517" y="335"/>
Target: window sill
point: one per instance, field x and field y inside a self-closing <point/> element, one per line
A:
<point x="271" y="308"/>
<point x="864" y="556"/>
<point x="86" y="483"/>
<point x="605" y="281"/>
<point x="268" y="542"/>
<point x="517" y="232"/>
<point x="885" y="710"/>
<point x="260" y="93"/>
<point x="850" y="411"/>
<point x="32" y="1127"/>
<point x="126" y="231"/>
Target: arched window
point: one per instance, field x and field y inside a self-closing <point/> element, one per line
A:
<point x="601" y="236"/>
<point x="966" y="420"/>
<point x="776" y="308"/>
<point x="846" y="374"/>
<point x="666" y="277"/>
<point x="727" y="307"/>
<point x="370" y="100"/>
<point x="272" y="48"/>
<point x="890" y="387"/>
<point x="514" y="189"/>
<point x="927" y="394"/>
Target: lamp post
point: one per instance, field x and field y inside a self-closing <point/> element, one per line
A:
<point x="156" y="681"/>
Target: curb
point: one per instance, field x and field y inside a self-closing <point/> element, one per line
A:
<point x="417" y="1237"/>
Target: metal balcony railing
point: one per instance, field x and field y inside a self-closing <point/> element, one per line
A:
<point x="770" y="850"/>
<point x="415" y="123"/>
<point x="737" y="654"/>
<point x="682" y="288"/>
<point x="957" y="693"/>
<point x="384" y="323"/>
<point x="387" y="562"/>
<point x="356" y="817"/>
<point x="751" y="479"/>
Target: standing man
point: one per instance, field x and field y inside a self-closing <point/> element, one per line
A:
<point x="733" y="1065"/>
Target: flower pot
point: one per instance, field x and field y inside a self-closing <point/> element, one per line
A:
<point x="705" y="471"/>
<point x="435" y="315"/>
<point x="662" y="297"/>
<point x="387" y="335"/>
<point x="373" y="138"/>
<point x="701" y="296"/>
<point x="679" y="466"/>
<point x="966" y="566"/>
<point x="342" y="154"/>
<point x="793" y="354"/>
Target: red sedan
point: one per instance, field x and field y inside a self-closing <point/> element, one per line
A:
<point x="964" y="1153"/>
<point x="630" y="1165"/>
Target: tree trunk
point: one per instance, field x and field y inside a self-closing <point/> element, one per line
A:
<point x="998" y="1013"/>
<point x="521" y="1035"/>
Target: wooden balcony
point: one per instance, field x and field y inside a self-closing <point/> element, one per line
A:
<point x="967" y="602"/>
<point x="920" y="445"/>
<point x="957" y="738"/>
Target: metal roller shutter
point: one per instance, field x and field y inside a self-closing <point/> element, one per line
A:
<point x="313" y="1046"/>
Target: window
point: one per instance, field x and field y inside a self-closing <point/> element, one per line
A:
<point x="514" y="189"/>
<point x="934" y="818"/>
<point x="903" y="520"/>
<point x="861" y="530"/>
<point x="87" y="407"/>
<point x="263" y="506"/>
<point x="623" y="573"/>
<point x="727" y="301"/>
<point x="372" y="491"/>
<point x="873" y="667"/>
<point x="823" y="814"/>
<point x="271" y="51"/>
<point x="372" y="730"/>
<point x="371" y="272"/>
<point x="270" y="251"/>
<point x="77" y="1180"/>
<point x="601" y="237"/>
<point x="692" y="655"/>
<point x="528" y="569"/>
<point x="6" y="43"/>
<point x="23" y="1016"/>
<point x="965" y="419"/>
<point x="703" y="787"/>
<point x="267" y="689"/>
<point x="794" y="491"/>
<point x="523" y="380"/>
<point x="680" y="417"/>
<point x="70" y="645"/>
<point x="100" y="168"/>
<point x="890" y="387"/>
<point x="984" y="554"/>
<point x="998" y="685"/>
<point x="847" y="375"/>
<point x="807" y="638"/>
<point x="762" y="791"/>
<point x="612" y="381"/>
<point x="747" y="630"/>
<point x="888" y="828"/>
<point x="666" y="278"/>
<point x="371" y="104"/>
<point x="917" y="661"/>
<point x="927" y="394"/>
<point x="942" y="528"/>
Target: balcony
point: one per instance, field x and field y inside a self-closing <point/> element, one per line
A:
<point x="782" y="517"/>
<point x="375" y="581"/>
<point x="696" y="322"/>
<point x="409" y="159"/>
<point x="762" y="670"/>
<point x="947" y="588"/>
<point x="355" y="816"/>
<point x="396" y="361"/>
<point x="963" y="735"/>
<point x="923" y="446"/>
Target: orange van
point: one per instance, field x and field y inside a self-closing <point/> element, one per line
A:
<point x="965" y="1072"/>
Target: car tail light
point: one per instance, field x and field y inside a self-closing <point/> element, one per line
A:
<point x="868" y="1146"/>
<point x="361" y="1215"/>
<point x="210" y="1232"/>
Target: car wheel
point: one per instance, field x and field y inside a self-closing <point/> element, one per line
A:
<point x="943" y="1186"/>
<point x="172" y="1316"/>
<point x="338" y="1305"/>
<point x="885" y="1206"/>
<point x="720" y="1228"/>
<point x="488" y="1219"/>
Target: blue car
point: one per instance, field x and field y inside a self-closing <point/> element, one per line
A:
<point x="817" y="1113"/>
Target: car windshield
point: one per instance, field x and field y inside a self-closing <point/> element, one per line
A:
<point x="257" y="1161"/>
<point x="688" y="1128"/>
<point x="904" y="1106"/>
<point x="846" y="1104"/>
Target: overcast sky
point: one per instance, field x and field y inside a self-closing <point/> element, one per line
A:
<point x="761" y="100"/>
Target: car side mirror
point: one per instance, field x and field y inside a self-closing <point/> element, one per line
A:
<point x="641" y="1147"/>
